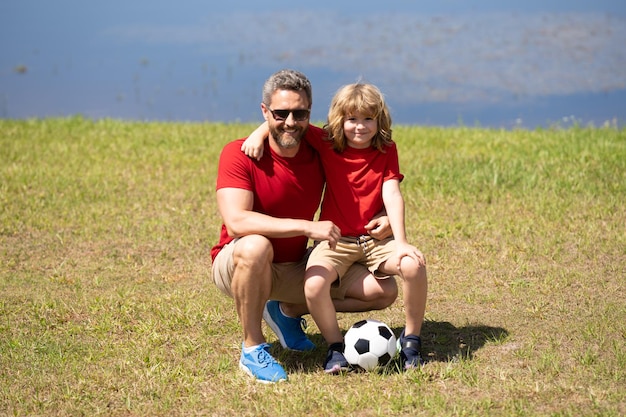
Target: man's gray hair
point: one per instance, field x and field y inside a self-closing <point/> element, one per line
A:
<point x="287" y="79"/>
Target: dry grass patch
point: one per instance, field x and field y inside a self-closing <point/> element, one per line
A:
<point x="106" y="307"/>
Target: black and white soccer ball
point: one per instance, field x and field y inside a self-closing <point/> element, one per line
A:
<point x="369" y="344"/>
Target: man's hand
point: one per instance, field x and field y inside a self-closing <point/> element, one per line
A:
<point x="324" y="230"/>
<point x="379" y="228"/>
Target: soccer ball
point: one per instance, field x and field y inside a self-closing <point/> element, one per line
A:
<point x="369" y="343"/>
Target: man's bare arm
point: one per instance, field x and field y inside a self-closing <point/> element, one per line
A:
<point x="235" y="207"/>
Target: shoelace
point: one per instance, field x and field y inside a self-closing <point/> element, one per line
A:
<point x="264" y="358"/>
<point x="303" y="324"/>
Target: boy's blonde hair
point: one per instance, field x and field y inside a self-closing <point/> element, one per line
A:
<point x="360" y="98"/>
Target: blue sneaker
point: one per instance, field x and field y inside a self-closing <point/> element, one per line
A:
<point x="289" y="330"/>
<point x="410" y="351"/>
<point x="260" y="365"/>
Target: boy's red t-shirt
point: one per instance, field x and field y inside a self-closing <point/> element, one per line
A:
<point x="354" y="183"/>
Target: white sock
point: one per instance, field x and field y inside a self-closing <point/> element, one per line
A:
<point x="251" y="348"/>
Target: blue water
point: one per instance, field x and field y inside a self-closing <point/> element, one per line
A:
<point x="488" y="63"/>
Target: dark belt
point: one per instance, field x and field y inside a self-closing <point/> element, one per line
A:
<point x="359" y="240"/>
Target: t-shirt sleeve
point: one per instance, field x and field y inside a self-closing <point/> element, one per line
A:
<point x="234" y="168"/>
<point x="393" y="165"/>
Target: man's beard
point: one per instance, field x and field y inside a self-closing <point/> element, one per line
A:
<point x="285" y="140"/>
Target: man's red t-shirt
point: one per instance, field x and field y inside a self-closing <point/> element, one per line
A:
<point x="282" y="187"/>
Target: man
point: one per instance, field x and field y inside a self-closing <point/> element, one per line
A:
<point x="267" y="206"/>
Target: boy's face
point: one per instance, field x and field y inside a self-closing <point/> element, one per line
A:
<point x="359" y="130"/>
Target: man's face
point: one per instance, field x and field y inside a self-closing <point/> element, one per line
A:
<point x="288" y="118"/>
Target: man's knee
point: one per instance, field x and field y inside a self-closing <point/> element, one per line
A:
<point x="383" y="294"/>
<point x="253" y="250"/>
<point x="388" y="294"/>
<point x="252" y="275"/>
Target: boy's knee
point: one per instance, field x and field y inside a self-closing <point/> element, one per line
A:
<point x="315" y="287"/>
<point x="410" y="269"/>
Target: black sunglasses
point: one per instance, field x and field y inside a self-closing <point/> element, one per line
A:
<point x="298" y="115"/>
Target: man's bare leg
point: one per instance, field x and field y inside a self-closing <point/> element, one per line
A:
<point x="365" y="294"/>
<point x="252" y="284"/>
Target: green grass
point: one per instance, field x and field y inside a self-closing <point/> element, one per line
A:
<point x="107" y="307"/>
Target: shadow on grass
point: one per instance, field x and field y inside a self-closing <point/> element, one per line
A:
<point x="441" y="342"/>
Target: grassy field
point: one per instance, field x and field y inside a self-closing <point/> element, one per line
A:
<point x="106" y="305"/>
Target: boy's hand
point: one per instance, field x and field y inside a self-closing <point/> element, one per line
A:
<point x="252" y="149"/>
<point x="379" y="228"/>
<point x="410" y="251"/>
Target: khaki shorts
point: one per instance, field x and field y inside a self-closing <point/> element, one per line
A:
<point x="287" y="277"/>
<point x="364" y="250"/>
